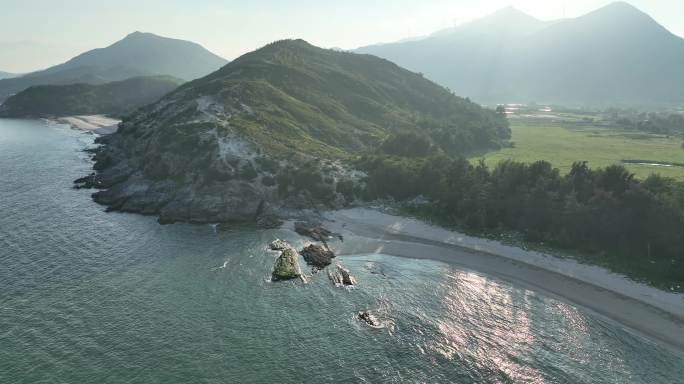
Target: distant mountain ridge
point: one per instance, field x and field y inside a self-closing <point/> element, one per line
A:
<point x="6" y="75"/>
<point x="138" y="54"/>
<point x="616" y="55"/>
<point x="117" y="98"/>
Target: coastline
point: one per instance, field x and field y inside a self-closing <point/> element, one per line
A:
<point x="645" y="310"/>
<point x="99" y="124"/>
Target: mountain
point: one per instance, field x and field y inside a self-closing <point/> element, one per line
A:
<point x="138" y="54"/>
<point x="116" y="98"/>
<point x="6" y="75"/>
<point x="276" y="128"/>
<point x="616" y="55"/>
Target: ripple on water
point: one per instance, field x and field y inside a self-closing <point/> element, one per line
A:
<point x="88" y="296"/>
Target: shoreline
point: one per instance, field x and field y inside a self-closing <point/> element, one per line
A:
<point x="654" y="314"/>
<point x="647" y="311"/>
<point x="99" y="124"/>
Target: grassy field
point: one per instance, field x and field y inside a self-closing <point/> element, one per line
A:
<point x="563" y="142"/>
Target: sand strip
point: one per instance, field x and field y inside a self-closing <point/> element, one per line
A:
<point x="99" y="124"/>
<point x="642" y="309"/>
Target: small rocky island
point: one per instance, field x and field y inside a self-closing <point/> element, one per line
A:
<point x="287" y="264"/>
<point x="317" y="256"/>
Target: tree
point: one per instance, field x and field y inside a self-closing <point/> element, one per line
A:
<point x="407" y="144"/>
<point x="615" y="179"/>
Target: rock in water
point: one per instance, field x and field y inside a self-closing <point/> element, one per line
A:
<point x="279" y="245"/>
<point x="347" y="278"/>
<point x="335" y="278"/>
<point x="314" y="231"/>
<point x="268" y="222"/>
<point x="341" y="276"/>
<point x="86" y="182"/>
<point x="368" y="318"/>
<point x="317" y="256"/>
<point x="287" y="266"/>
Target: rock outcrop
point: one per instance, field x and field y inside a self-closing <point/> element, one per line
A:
<point x="268" y="221"/>
<point x="368" y="318"/>
<point x="86" y="182"/>
<point x="317" y="256"/>
<point x="341" y="276"/>
<point x="287" y="266"/>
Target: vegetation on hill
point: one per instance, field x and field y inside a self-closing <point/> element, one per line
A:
<point x="138" y="54"/>
<point x="117" y="98"/>
<point x="329" y="103"/>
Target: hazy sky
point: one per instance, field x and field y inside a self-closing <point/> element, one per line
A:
<point x="38" y="33"/>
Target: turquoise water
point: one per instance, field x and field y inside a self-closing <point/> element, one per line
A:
<point x="94" y="297"/>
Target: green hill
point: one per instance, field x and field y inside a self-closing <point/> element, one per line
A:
<point x="138" y="54"/>
<point x="251" y="132"/>
<point x="116" y="98"/>
<point x="310" y="99"/>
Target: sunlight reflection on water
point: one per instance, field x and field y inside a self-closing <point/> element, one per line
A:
<point x="485" y="321"/>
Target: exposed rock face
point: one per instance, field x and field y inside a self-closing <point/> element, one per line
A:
<point x="189" y="170"/>
<point x="341" y="276"/>
<point x="368" y="318"/>
<point x="132" y="184"/>
<point x="287" y="265"/>
<point x="317" y="256"/>
<point x="86" y="182"/>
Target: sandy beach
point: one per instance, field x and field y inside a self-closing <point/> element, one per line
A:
<point x="99" y="124"/>
<point x="644" y="310"/>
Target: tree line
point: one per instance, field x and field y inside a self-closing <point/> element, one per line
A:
<point x="633" y="226"/>
<point x="665" y="123"/>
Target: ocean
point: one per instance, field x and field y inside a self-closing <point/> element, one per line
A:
<point x="93" y="297"/>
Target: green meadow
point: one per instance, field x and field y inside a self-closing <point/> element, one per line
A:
<point x="563" y="142"/>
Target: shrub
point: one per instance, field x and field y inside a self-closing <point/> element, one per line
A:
<point x="346" y="189"/>
<point x="268" y="181"/>
<point x="267" y="164"/>
<point x="407" y="144"/>
<point x="247" y="172"/>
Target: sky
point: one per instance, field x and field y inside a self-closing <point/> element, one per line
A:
<point x="36" y="34"/>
